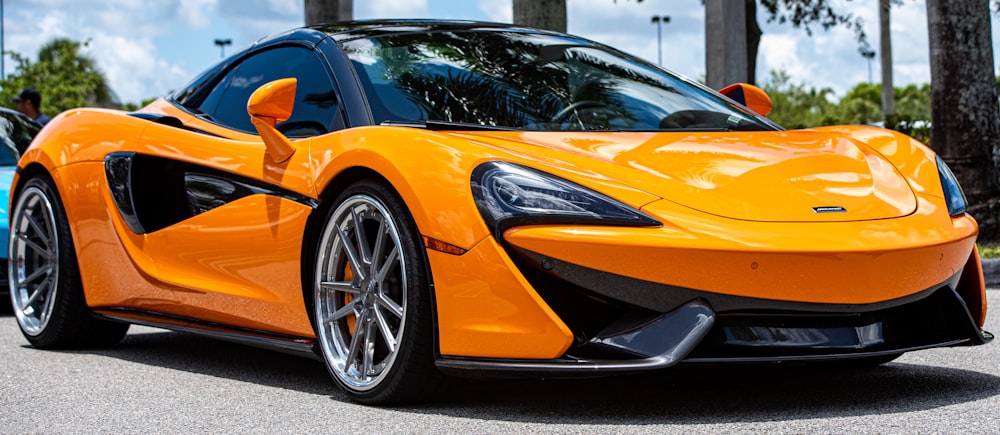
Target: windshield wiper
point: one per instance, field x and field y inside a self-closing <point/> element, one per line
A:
<point x="448" y="125"/>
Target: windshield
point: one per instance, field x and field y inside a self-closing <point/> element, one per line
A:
<point x="531" y="82"/>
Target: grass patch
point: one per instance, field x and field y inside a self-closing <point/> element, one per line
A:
<point x="989" y="251"/>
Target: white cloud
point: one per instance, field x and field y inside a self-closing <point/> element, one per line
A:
<point x="390" y="9"/>
<point x="497" y="10"/>
<point x="781" y="52"/>
<point x="196" y="13"/>
<point x="133" y="68"/>
<point x="628" y="26"/>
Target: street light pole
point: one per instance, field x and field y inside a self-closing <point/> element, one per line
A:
<point x="222" y="43"/>
<point x="2" y="19"/>
<point x="869" y="54"/>
<point x="658" y="20"/>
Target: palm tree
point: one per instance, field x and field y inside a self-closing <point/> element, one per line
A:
<point x="885" y="45"/>
<point x="965" y="117"/>
<point x="328" y="11"/>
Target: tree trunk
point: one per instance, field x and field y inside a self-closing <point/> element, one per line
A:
<point x="328" y="11"/>
<point x="726" y="43"/>
<point x="543" y="14"/>
<point x="885" y="51"/>
<point x="965" y="117"/>
<point x="753" y="40"/>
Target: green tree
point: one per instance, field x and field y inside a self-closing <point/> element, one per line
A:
<point x="65" y="78"/>
<point x="798" y="106"/>
<point x="801" y="106"/>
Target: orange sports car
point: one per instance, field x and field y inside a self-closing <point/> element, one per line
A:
<point x="408" y="200"/>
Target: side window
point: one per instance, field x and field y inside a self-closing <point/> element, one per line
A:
<point x="316" y="111"/>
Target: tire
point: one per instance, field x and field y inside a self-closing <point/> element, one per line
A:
<point x="45" y="290"/>
<point x="371" y="299"/>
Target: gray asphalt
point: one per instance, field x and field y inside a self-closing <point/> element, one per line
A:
<point x="168" y="382"/>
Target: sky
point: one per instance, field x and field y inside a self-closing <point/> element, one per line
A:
<point x="149" y="48"/>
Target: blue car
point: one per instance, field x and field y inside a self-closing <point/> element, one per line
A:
<point x="16" y="133"/>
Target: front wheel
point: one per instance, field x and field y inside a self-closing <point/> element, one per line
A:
<point x="372" y="299"/>
<point x="45" y="289"/>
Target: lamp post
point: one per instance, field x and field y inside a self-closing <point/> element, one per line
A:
<point x="657" y="19"/>
<point x="222" y="43"/>
<point x="869" y="54"/>
<point x="2" y="75"/>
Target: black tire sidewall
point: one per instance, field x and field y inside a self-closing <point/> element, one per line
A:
<point x="412" y="375"/>
<point x="70" y="324"/>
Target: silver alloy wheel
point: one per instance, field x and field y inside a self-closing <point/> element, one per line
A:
<point x="33" y="267"/>
<point x="360" y="292"/>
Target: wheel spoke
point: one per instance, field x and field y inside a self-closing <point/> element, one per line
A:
<point x="359" y="233"/>
<point x="40" y="272"/>
<point x="379" y="244"/>
<point x="342" y="312"/>
<point x="356" y="342"/>
<point x="42" y="233"/>
<point x="42" y="250"/>
<point x="369" y="346"/>
<point x="390" y="261"/>
<point x="383" y="326"/>
<point x="391" y="305"/>
<point x="352" y="255"/>
<point x="40" y="290"/>
<point x="339" y="286"/>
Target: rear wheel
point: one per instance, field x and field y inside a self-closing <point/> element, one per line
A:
<point x="372" y="299"/>
<point x="45" y="290"/>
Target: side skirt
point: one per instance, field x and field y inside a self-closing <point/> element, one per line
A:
<point x="290" y="344"/>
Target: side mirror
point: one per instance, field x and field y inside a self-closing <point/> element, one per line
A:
<point x="749" y="95"/>
<point x="269" y="105"/>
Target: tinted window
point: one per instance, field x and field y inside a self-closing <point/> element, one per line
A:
<point x="189" y="95"/>
<point x="532" y="82"/>
<point x="17" y="131"/>
<point x="316" y="107"/>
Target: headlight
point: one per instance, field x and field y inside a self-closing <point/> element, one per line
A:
<point x="953" y="194"/>
<point x="509" y="194"/>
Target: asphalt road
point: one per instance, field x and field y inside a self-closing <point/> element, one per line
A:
<point x="168" y="382"/>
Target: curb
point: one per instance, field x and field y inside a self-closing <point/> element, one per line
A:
<point x="991" y="271"/>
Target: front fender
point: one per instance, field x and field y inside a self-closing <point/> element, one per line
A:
<point x="429" y="171"/>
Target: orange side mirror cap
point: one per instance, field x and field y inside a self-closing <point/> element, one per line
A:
<point x="269" y="105"/>
<point x="749" y="95"/>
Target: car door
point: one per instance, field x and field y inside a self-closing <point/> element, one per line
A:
<point x="224" y="222"/>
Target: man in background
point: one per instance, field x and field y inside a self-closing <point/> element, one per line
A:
<point x="29" y="102"/>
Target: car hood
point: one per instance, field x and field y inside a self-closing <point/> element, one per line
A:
<point x="782" y="176"/>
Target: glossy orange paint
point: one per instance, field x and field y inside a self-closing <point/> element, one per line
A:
<point x="972" y="287"/>
<point x="231" y="274"/>
<point x="486" y="308"/>
<point x="772" y="246"/>
<point x="269" y="105"/>
<point x="247" y="158"/>
<point x="111" y="276"/>
<point x="759" y="176"/>
<point x="843" y="263"/>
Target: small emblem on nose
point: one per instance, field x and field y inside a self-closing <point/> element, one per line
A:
<point x="829" y="209"/>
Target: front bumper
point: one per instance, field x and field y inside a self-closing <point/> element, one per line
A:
<point x="551" y="298"/>
<point x="612" y="335"/>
